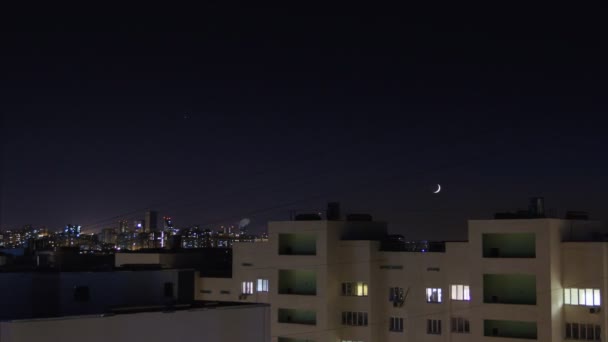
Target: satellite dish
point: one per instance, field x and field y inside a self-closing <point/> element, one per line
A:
<point x="244" y="223"/>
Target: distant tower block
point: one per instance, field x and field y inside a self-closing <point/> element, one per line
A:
<point x="151" y="221"/>
<point x="333" y="211"/>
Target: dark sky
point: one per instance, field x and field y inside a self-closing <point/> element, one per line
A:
<point x="238" y="111"/>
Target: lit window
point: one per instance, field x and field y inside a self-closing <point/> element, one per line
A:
<point x="357" y="288"/>
<point x="433" y="326"/>
<point x="460" y="325"/>
<point x="262" y="285"/>
<point x="461" y="292"/>
<point x="396" y="324"/>
<point x="586" y="297"/>
<point x="433" y="295"/>
<point x="247" y="287"/>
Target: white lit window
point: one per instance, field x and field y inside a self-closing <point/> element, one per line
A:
<point x="262" y="285"/>
<point x="461" y="292"/>
<point x="247" y="287"/>
<point x="586" y="297"/>
<point x="433" y="295"/>
<point x="356" y="288"/>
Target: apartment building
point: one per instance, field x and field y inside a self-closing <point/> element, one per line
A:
<point x="531" y="278"/>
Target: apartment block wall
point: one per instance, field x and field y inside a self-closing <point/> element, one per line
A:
<point x="554" y="265"/>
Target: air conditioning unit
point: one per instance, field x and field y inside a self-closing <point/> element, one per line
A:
<point x="594" y="310"/>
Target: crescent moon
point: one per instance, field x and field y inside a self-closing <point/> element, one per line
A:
<point x="438" y="189"/>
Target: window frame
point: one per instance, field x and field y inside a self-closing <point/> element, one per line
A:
<point x="395" y="324"/>
<point x="262" y="285"/>
<point x="460" y="292"/>
<point x="433" y="326"/>
<point x="355" y="289"/>
<point x="247" y="287"/>
<point x="582" y="296"/>
<point x="430" y="291"/>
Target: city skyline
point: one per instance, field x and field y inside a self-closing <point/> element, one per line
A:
<point x="256" y="112"/>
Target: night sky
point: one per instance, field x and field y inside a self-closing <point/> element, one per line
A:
<point x="253" y="112"/>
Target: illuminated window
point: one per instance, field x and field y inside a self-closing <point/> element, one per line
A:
<point x="247" y="287"/>
<point x="460" y="325"/>
<point x="461" y="292"/>
<point x="262" y="285"/>
<point x="358" y="289"/>
<point x="395" y="324"/>
<point x="433" y="295"/>
<point x="586" y="297"/>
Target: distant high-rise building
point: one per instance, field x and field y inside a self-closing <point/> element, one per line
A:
<point x="123" y="226"/>
<point x="108" y="235"/>
<point x="71" y="233"/>
<point x="168" y="223"/>
<point x="151" y="221"/>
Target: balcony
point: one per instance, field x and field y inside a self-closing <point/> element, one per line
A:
<point x="297" y="244"/>
<point x="510" y="329"/>
<point x="512" y="245"/>
<point x="509" y="289"/>
<point x="298" y="282"/>
<point x="295" y="316"/>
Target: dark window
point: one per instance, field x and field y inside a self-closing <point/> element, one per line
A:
<point x="81" y="293"/>
<point x="168" y="290"/>
<point x="433" y="326"/>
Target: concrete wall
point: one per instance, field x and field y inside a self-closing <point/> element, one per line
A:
<point x="209" y="325"/>
<point x="27" y="295"/>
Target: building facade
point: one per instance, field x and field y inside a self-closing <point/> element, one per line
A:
<point x="514" y="279"/>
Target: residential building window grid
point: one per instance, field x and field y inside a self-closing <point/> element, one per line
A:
<point x="583" y="331"/>
<point x="396" y="324"/>
<point x="433" y="295"/>
<point x="460" y="325"/>
<point x="433" y="326"/>
<point x="262" y="285"/>
<point x="354" y="288"/>
<point x="461" y="292"/>
<point x="586" y="297"/>
<point x="354" y="318"/>
<point x="247" y="287"/>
